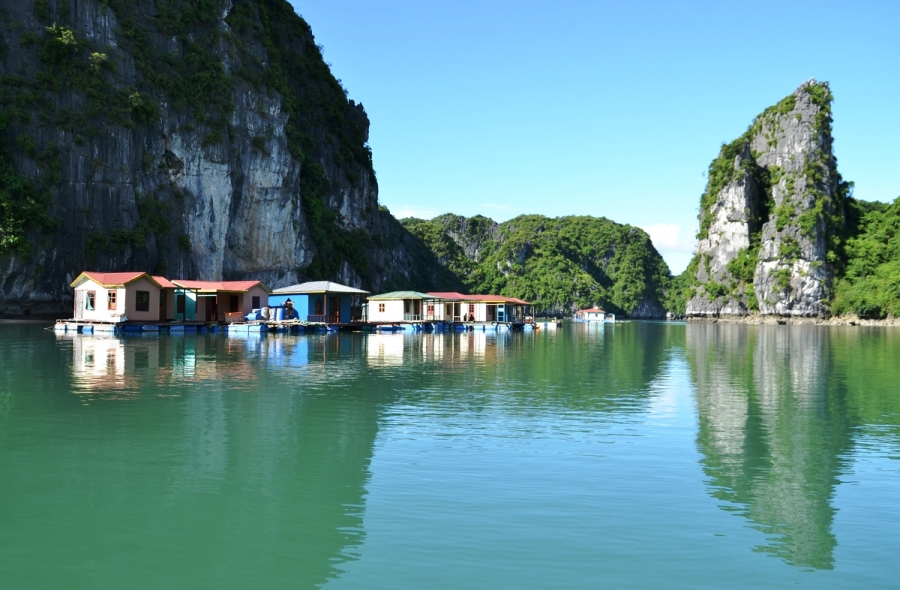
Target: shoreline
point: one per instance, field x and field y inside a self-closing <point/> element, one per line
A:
<point x="773" y="320"/>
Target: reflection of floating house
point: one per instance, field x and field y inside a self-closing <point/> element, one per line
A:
<point x="594" y="314"/>
<point x="385" y="350"/>
<point x="482" y="308"/>
<point x="116" y="297"/>
<point x="404" y="306"/>
<point x="214" y="301"/>
<point x="321" y="301"/>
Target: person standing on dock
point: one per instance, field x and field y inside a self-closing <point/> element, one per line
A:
<point x="289" y="312"/>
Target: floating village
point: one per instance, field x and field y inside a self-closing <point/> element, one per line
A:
<point x="117" y="302"/>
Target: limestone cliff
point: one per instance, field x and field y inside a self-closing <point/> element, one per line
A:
<point x="192" y="138"/>
<point x="772" y="212"/>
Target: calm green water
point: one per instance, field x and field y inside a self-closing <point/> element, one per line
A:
<point x="631" y="456"/>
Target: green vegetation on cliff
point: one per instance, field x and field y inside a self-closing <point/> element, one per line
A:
<point x="154" y="69"/>
<point x="777" y="184"/>
<point x="560" y="263"/>
<point x="870" y="285"/>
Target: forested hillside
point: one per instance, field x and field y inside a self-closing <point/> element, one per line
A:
<point x="560" y="264"/>
<point x="869" y="285"/>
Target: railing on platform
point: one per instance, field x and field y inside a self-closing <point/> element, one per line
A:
<point x="411" y="317"/>
<point x="331" y="318"/>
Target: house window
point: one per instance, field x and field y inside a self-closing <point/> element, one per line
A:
<point x="381" y="308"/>
<point x="179" y="304"/>
<point x="254" y="302"/>
<point x="90" y="301"/>
<point x="430" y="310"/>
<point x="143" y="301"/>
<point x="111" y="300"/>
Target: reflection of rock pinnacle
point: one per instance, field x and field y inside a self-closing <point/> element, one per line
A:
<point x="769" y="432"/>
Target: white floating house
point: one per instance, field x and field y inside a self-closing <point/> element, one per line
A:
<point x="482" y="308"/>
<point x="116" y="297"/>
<point x="404" y="306"/>
<point x="593" y="314"/>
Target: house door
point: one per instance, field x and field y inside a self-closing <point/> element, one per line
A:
<point x="212" y="310"/>
<point x="180" y="306"/>
<point x="334" y="310"/>
<point x="163" y="315"/>
<point x="491" y="313"/>
<point x="79" y="305"/>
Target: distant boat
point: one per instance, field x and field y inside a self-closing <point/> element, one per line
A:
<point x="593" y="315"/>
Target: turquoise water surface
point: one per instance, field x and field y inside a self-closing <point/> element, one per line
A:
<point x="638" y="455"/>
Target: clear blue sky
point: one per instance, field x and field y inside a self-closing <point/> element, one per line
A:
<point x="610" y="109"/>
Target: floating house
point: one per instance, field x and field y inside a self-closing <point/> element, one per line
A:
<point x="482" y="308"/>
<point x="403" y="306"/>
<point x="116" y="297"/>
<point x="321" y="301"/>
<point x="593" y="314"/>
<point x="216" y="301"/>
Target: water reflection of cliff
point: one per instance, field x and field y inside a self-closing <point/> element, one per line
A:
<point x="771" y="431"/>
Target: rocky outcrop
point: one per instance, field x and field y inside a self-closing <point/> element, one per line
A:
<point x="472" y="234"/>
<point x="191" y="139"/>
<point x="771" y="213"/>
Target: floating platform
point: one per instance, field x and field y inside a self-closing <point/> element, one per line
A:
<point x="150" y="328"/>
<point x="290" y="326"/>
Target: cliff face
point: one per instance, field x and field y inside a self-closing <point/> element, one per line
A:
<point x="772" y="212"/>
<point x="192" y="138"/>
<point x="559" y="264"/>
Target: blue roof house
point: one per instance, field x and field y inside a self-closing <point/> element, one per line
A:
<point x="321" y="301"/>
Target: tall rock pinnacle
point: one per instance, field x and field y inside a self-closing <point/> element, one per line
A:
<point x="771" y="213"/>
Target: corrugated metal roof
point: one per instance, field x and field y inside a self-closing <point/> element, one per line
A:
<point x="394" y="295"/>
<point x="213" y="286"/>
<point x="319" y="287"/>
<point x="111" y="279"/>
<point x="164" y="282"/>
